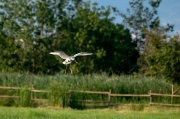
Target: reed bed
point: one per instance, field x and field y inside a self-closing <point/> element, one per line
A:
<point x="58" y="85"/>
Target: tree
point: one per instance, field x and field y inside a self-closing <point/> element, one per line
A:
<point x="43" y="26"/>
<point x="32" y="24"/>
<point x="92" y="29"/>
<point x="164" y="60"/>
<point x="143" y="20"/>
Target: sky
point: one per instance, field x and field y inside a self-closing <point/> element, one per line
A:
<point x="168" y="11"/>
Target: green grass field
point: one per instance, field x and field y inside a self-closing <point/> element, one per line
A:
<point x="113" y="113"/>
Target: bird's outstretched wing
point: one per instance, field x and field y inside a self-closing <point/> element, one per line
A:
<point x="60" y="53"/>
<point x="82" y="54"/>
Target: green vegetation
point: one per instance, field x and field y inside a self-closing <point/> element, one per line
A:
<point x="58" y="85"/>
<point x="25" y="97"/>
<point x="45" y="113"/>
<point x="124" y="84"/>
<point x="30" y="30"/>
<point x="163" y="60"/>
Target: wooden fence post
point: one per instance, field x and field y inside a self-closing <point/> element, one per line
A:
<point x="32" y="88"/>
<point x="172" y="88"/>
<point x="69" y="97"/>
<point x="172" y="93"/>
<point x="150" y="98"/>
<point x="109" y="97"/>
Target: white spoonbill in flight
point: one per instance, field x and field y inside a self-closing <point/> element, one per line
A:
<point x="69" y="59"/>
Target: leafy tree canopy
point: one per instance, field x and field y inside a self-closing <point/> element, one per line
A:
<point x="31" y="29"/>
<point x="165" y="59"/>
<point x="142" y="18"/>
<point x="143" y="21"/>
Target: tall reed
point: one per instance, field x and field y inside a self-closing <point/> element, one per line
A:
<point x="58" y="85"/>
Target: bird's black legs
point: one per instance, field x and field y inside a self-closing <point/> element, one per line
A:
<point x="70" y="68"/>
<point x="75" y="61"/>
<point x="66" y="69"/>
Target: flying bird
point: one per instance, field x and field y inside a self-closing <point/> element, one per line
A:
<point x="69" y="59"/>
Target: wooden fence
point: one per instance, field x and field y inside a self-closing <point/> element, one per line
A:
<point x="110" y="96"/>
<point x="32" y="90"/>
<point x="108" y="101"/>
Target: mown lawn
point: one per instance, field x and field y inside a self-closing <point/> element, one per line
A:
<point x="47" y="113"/>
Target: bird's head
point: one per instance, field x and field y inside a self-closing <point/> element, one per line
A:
<point x="73" y="59"/>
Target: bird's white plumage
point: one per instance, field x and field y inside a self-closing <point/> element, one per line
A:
<point x="66" y="62"/>
<point x="69" y="59"/>
<point x="82" y="54"/>
<point x="61" y="54"/>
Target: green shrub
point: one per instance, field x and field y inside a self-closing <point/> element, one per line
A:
<point x="9" y="102"/>
<point x="58" y="94"/>
<point x="25" y="97"/>
<point x="74" y="101"/>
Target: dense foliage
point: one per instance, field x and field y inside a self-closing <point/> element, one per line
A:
<point x="32" y="29"/>
<point x="159" y="51"/>
<point x="59" y="85"/>
<point x="164" y="60"/>
<point x="141" y="19"/>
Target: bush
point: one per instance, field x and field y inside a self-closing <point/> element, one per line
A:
<point x="25" y="97"/>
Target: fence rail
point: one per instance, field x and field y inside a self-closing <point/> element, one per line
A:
<point x="164" y="95"/>
<point x="32" y="90"/>
<point x="40" y="91"/>
<point x="129" y="95"/>
<point x="7" y="96"/>
<point x="13" y="88"/>
<point x="88" y="92"/>
<point x="110" y="96"/>
<point x="108" y="101"/>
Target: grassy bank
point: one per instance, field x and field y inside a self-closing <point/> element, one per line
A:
<point x="45" y="113"/>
